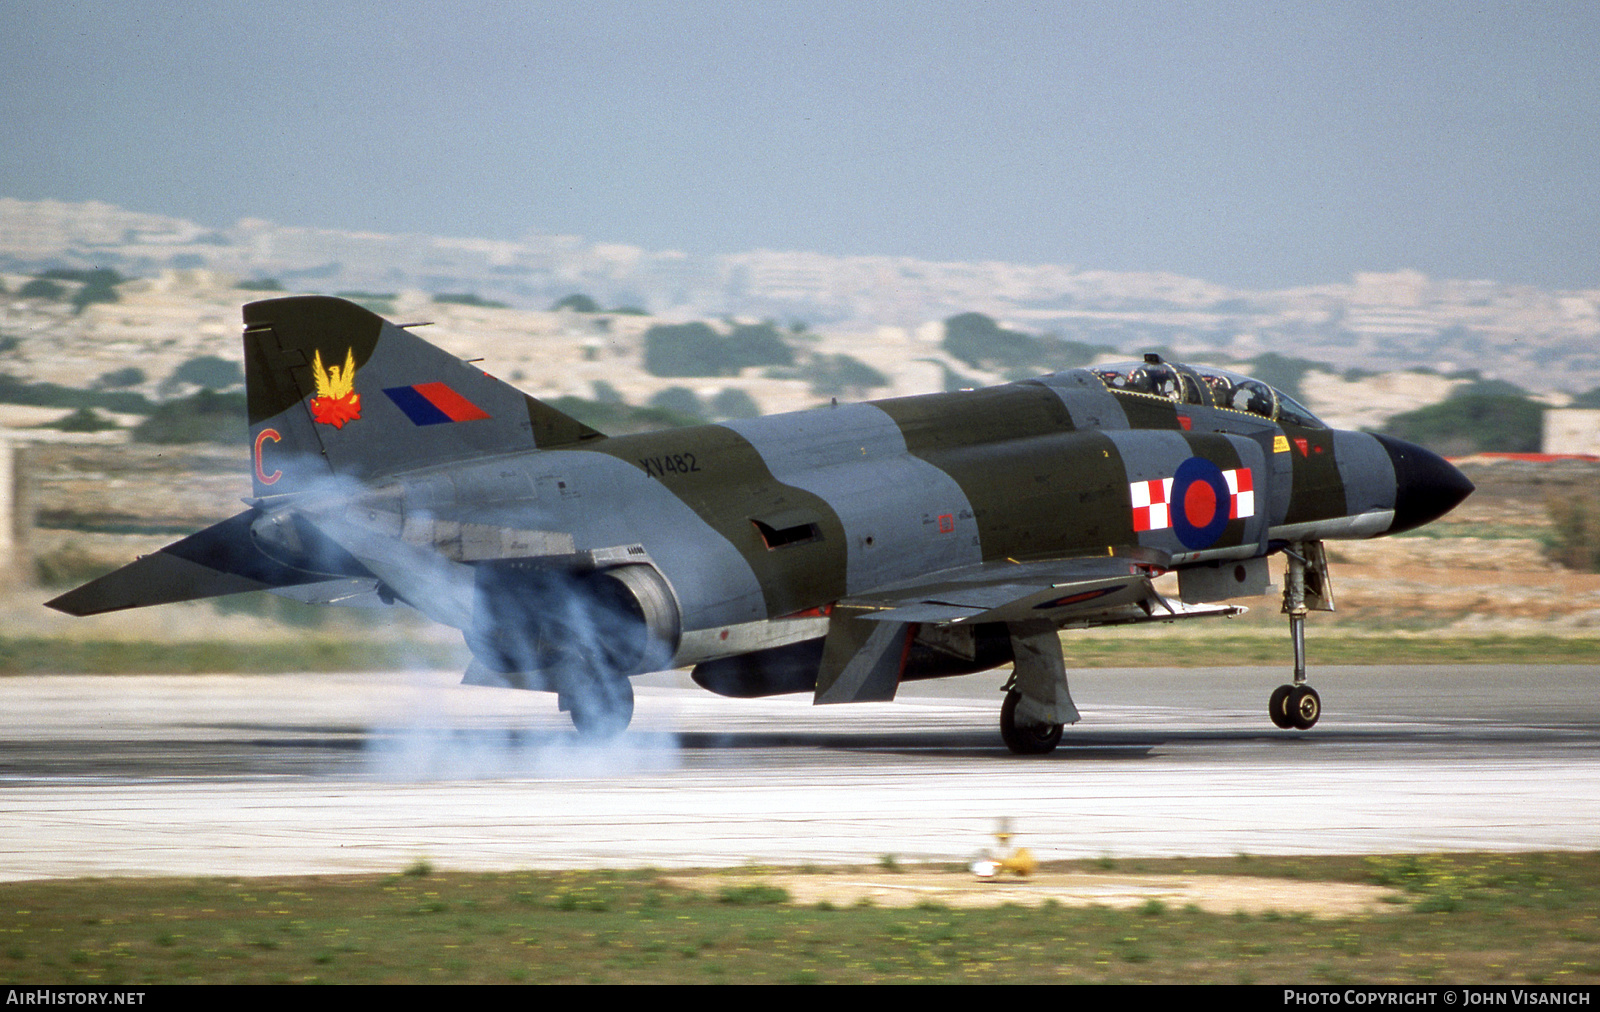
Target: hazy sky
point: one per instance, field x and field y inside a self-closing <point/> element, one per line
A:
<point x="1260" y="145"/>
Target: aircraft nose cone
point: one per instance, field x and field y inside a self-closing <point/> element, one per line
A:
<point x="1426" y="485"/>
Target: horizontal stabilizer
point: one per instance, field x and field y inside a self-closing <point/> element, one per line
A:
<point x="220" y="560"/>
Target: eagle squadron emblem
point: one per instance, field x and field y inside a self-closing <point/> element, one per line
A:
<point x="337" y="401"/>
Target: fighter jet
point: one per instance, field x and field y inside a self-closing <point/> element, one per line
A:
<point x="840" y="551"/>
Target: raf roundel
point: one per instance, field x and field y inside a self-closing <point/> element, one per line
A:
<point x="1205" y="498"/>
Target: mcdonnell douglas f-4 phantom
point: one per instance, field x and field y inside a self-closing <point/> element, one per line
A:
<point x="839" y="551"/>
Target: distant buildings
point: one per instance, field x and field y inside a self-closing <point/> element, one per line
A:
<point x="1572" y="431"/>
<point x="1541" y="340"/>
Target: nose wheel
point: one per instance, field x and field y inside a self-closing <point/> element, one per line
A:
<point x="1294" y="706"/>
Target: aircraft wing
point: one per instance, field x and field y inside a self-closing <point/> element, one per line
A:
<point x="1096" y="590"/>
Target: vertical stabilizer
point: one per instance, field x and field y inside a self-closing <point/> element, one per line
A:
<point x="334" y="389"/>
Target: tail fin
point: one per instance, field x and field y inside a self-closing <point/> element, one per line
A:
<point x="336" y="389"/>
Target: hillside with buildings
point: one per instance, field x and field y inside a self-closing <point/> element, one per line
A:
<point x="1544" y="341"/>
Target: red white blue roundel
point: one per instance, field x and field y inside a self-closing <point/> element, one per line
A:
<point x="1196" y="502"/>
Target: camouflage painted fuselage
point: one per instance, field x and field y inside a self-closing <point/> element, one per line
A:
<point x="773" y="516"/>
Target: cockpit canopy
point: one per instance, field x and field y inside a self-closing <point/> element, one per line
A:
<point x="1204" y="386"/>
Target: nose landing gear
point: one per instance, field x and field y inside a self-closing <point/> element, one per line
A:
<point x="1306" y="588"/>
<point x="1294" y="706"/>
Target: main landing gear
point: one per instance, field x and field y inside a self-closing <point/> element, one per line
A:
<point x="600" y="708"/>
<point x="1306" y="588"/>
<point x="1026" y="738"/>
<point x="1038" y="704"/>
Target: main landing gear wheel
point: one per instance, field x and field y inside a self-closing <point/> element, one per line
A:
<point x="600" y="711"/>
<point x="1026" y="739"/>
<point x="1294" y="706"/>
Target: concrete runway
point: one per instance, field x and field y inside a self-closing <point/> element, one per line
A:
<point x="279" y="774"/>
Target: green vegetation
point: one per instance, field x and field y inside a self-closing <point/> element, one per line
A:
<point x="207" y="417"/>
<point x="468" y="299"/>
<point x="98" y="285"/>
<point x="1113" y="648"/>
<point x="21" y="655"/>
<point x="616" y="418"/>
<point x="679" y="401"/>
<point x="39" y="288"/>
<point x="841" y="376"/>
<point x="733" y="403"/>
<point x="982" y="343"/>
<point x="580" y="303"/>
<point x="695" y="349"/>
<point x="53" y="395"/>
<point x="1488" y="388"/>
<point x="81" y="420"/>
<point x="605" y="393"/>
<point x="684" y="349"/>
<point x="116" y="379"/>
<point x="206" y="371"/>
<point x="93" y="285"/>
<point x="1479" y="918"/>
<point x="1574" y="539"/>
<point x="576" y="302"/>
<point x="1475" y="423"/>
<point x="66" y="566"/>
<point x="1284" y="372"/>
<point x="758" y="344"/>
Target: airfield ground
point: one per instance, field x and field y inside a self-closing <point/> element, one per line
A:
<point x="1491" y="919"/>
<point x="313" y="793"/>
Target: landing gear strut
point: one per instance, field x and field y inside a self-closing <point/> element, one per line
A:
<point x="1038" y="703"/>
<point x="1306" y="588"/>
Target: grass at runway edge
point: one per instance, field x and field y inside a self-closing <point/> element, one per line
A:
<point x="55" y="655"/>
<point x="1463" y="918"/>
<point x="60" y="655"/>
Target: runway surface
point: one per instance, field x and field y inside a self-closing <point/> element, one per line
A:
<point x="277" y="774"/>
